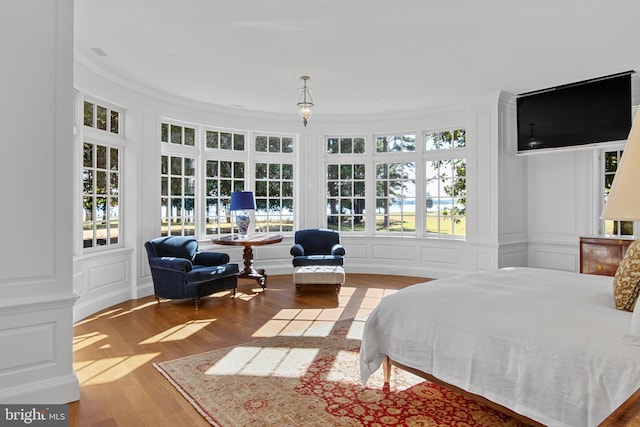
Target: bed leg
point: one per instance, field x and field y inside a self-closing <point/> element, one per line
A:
<point x="386" y="369"/>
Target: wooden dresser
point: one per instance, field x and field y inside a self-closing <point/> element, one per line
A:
<point x="602" y="255"/>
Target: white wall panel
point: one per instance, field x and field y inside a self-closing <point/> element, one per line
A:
<point x="36" y="115"/>
<point x="394" y="252"/>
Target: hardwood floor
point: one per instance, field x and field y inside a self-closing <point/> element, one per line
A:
<point x="115" y="348"/>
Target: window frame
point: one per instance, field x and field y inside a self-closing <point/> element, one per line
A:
<point x="244" y="153"/>
<point x="286" y="155"/>
<point x="373" y="155"/>
<point x="103" y="137"/>
<point x="604" y="225"/>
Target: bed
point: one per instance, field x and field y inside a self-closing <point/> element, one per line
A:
<point x="547" y="345"/>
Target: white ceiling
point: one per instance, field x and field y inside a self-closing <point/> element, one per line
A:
<point x="363" y="56"/>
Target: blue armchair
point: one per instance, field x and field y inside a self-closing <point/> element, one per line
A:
<point x="179" y="270"/>
<point x="317" y="246"/>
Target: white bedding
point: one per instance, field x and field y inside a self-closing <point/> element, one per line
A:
<point x="546" y="344"/>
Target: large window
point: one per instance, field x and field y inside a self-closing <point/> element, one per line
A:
<point x="346" y="197"/>
<point x="274" y="196"/>
<point x="273" y="182"/>
<point x="177" y="196"/>
<point x="446" y="184"/>
<point x="417" y="189"/>
<point x="100" y="195"/>
<point x="610" y="161"/>
<point x="222" y="178"/>
<point x="100" y="130"/>
<point x="446" y="197"/>
<point x="201" y="167"/>
<point x="396" y="197"/>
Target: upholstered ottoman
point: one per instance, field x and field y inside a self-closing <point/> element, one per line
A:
<point x="318" y="275"/>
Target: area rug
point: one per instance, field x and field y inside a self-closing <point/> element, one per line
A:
<point x="312" y="379"/>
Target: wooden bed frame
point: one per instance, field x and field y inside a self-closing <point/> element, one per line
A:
<point x="628" y="414"/>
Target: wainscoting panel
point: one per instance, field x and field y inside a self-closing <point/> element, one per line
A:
<point x="404" y="253"/>
<point x="26" y="347"/>
<point x="101" y="280"/>
<point x="555" y="257"/>
<point x="107" y="275"/>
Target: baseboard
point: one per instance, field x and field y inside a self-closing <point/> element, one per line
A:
<point x="99" y="302"/>
<point x="51" y="391"/>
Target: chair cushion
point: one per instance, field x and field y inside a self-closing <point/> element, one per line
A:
<point x="318" y="260"/>
<point x="203" y="273"/>
<point x="626" y="282"/>
<point x="175" y="246"/>
<point x="317" y="241"/>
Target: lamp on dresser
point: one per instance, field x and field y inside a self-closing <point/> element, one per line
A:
<point x="623" y="202"/>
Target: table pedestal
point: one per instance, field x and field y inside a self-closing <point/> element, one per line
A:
<point x="248" y="242"/>
<point x="249" y="272"/>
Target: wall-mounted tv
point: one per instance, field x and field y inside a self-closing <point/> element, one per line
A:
<point x="577" y="114"/>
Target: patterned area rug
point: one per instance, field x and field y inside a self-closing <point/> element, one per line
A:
<point x="312" y="379"/>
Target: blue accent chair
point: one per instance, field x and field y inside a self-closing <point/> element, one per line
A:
<point x="179" y="270"/>
<point x="317" y="246"/>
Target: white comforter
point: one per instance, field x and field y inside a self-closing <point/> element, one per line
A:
<point x="546" y="344"/>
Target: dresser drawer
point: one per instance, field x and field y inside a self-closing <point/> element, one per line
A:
<point x="602" y="255"/>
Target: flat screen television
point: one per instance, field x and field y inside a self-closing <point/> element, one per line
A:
<point x="574" y="115"/>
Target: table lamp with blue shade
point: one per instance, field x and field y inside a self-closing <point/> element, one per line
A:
<point x="242" y="202"/>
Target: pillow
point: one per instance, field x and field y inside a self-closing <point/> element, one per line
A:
<point x="626" y="282"/>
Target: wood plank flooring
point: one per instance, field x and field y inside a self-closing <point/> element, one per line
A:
<point x="115" y="348"/>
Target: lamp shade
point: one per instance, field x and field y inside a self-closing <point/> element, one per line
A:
<point x="241" y="200"/>
<point x="623" y="202"/>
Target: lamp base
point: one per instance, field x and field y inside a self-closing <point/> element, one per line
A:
<point x="243" y="221"/>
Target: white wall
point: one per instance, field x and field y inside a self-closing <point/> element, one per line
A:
<point x="563" y="202"/>
<point x="36" y="118"/>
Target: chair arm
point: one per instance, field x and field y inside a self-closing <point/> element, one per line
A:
<point x="171" y="263"/>
<point x="337" y="249"/>
<point x="211" y="258"/>
<point x="297" y="250"/>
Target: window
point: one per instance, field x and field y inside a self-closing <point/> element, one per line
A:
<point x="273" y="183"/>
<point x="396" y="144"/>
<point x="446" y="197"/>
<point x="274" y="196"/>
<point x="396" y="197"/>
<point x="273" y="144"/>
<point x="177" y="192"/>
<point x="201" y="166"/>
<point x="176" y="134"/>
<point x="610" y="162"/>
<point x="101" y="117"/>
<point x="222" y="177"/>
<point x="446" y="185"/>
<point x="100" y="195"/>
<point x="445" y="140"/>
<point x="224" y="140"/>
<point x="346" y="197"/>
<point x="346" y="145"/>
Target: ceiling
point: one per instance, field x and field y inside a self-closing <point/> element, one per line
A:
<point x="363" y="56"/>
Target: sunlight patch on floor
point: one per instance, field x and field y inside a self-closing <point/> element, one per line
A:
<point x="97" y="316"/>
<point x="290" y="321"/>
<point x="264" y="361"/>
<point x="179" y="332"/>
<point x="109" y="369"/>
<point x="298" y="321"/>
<point x="86" y="340"/>
<point x="140" y="307"/>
